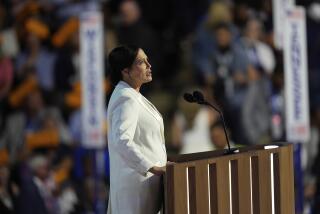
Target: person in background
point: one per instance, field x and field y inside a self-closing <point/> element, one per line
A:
<point x="260" y="55"/>
<point x="132" y="29"/>
<point x="229" y="78"/>
<point x="135" y="137"/>
<point x="256" y="109"/>
<point x="256" y="112"/>
<point x="190" y="127"/>
<point x="36" y="56"/>
<point x="218" y="137"/>
<point x="204" y="43"/>
<point x="36" y="194"/>
<point x="36" y="117"/>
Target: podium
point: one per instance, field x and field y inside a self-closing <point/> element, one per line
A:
<point x="256" y="180"/>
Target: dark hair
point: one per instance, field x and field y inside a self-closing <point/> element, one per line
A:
<point x="120" y="58"/>
<point x="221" y="26"/>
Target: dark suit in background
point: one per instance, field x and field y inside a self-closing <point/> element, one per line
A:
<point x="30" y="200"/>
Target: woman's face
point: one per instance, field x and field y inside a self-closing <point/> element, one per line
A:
<point x="140" y="71"/>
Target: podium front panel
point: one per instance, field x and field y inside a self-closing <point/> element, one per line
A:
<point x="256" y="181"/>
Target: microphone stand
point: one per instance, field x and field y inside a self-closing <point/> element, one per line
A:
<point x="230" y="150"/>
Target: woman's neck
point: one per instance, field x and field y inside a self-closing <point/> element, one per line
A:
<point x="134" y="85"/>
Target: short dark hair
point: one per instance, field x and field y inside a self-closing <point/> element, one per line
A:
<point x="221" y="26"/>
<point x="120" y="58"/>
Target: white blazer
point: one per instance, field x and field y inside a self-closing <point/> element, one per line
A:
<point x="136" y="143"/>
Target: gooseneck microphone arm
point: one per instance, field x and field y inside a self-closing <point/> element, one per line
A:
<point x="223" y="122"/>
<point x="197" y="97"/>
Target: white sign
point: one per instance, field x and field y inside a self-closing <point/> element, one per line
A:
<point x="296" y="77"/>
<point x="279" y="17"/>
<point x="92" y="77"/>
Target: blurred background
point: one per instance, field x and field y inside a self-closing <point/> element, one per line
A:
<point x="226" y="49"/>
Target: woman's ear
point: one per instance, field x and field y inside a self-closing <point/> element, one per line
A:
<point x="125" y="72"/>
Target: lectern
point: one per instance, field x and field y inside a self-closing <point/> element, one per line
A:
<point x="256" y="180"/>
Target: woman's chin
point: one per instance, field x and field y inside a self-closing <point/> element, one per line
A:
<point x="149" y="79"/>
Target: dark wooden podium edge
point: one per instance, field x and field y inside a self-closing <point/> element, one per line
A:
<point x="180" y="158"/>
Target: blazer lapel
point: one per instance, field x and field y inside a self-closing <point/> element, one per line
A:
<point x="150" y="107"/>
<point x="154" y="111"/>
<point x="143" y="101"/>
<point x="146" y="104"/>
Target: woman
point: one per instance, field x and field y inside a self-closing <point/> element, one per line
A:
<point x="135" y="137"/>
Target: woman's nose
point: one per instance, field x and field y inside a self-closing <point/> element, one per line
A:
<point x="149" y="65"/>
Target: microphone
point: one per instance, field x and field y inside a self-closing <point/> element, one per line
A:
<point x="198" y="97"/>
<point x="189" y="98"/>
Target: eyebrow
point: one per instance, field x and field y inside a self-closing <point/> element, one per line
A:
<point x="142" y="58"/>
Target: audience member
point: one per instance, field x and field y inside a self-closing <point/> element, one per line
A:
<point x="36" y="194"/>
<point x="218" y="136"/>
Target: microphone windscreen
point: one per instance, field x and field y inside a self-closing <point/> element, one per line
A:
<point x="198" y="96"/>
<point x="188" y="97"/>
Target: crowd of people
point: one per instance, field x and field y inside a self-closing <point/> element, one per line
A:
<point x="223" y="48"/>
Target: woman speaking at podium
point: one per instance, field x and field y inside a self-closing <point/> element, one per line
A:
<point x="135" y="137"/>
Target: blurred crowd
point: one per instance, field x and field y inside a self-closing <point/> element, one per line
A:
<point x="223" y="48"/>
